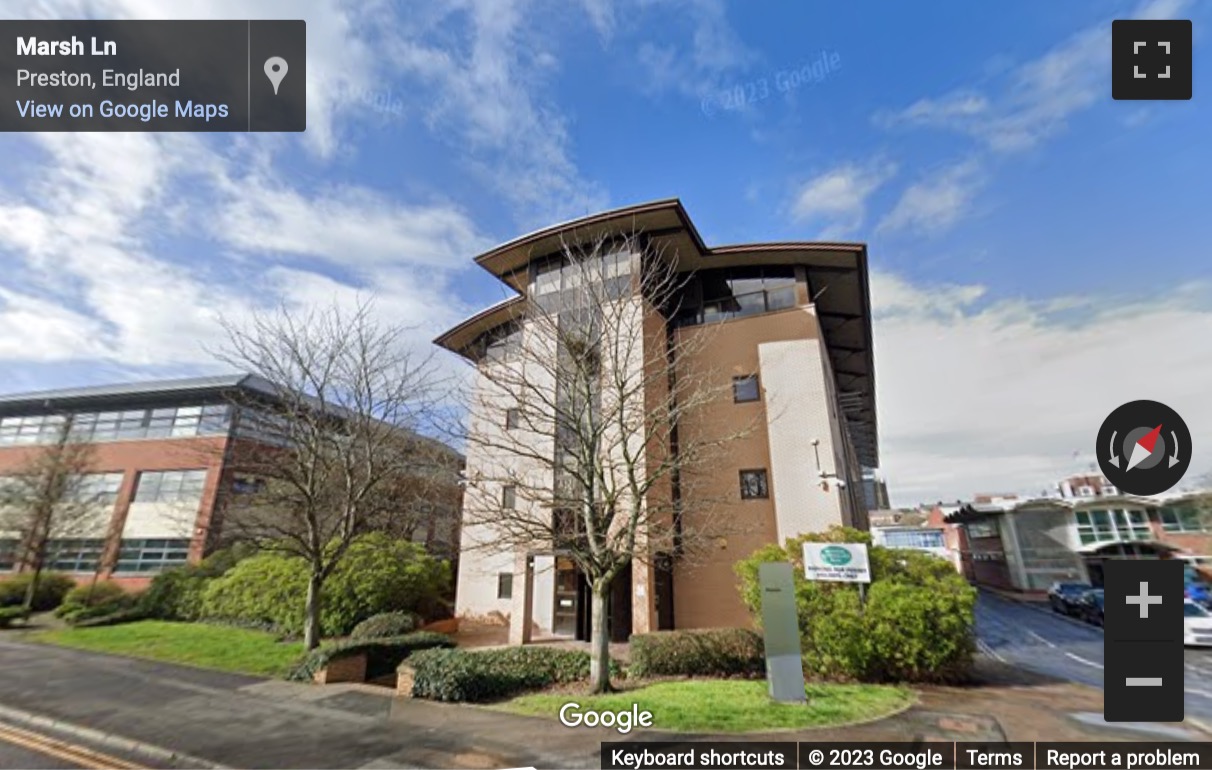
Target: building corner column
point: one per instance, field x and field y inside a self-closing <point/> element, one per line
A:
<point x="521" y="618"/>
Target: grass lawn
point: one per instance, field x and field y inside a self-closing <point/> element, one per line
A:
<point x="730" y="706"/>
<point x="238" y="650"/>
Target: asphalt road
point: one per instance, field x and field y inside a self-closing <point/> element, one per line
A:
<point x="1034" y="638"/>
<point x="12" y="756"/>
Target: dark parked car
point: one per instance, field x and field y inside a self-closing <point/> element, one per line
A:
<point x="1090" y="606"/>
<point x="1064" y="596"/>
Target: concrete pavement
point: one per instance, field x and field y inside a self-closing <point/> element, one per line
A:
<point x="238" y="721"/>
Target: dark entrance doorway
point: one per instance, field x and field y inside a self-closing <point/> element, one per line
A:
<point x="662" y="591"/>
<point x="573" y="610"/>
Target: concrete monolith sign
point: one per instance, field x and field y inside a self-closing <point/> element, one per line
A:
<point x="784" y="669"/>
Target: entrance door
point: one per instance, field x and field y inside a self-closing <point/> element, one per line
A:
<point x="564" y="623"/>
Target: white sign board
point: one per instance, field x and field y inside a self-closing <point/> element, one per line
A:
<point x="837" y="562"/>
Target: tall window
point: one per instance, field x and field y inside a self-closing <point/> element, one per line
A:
<point x="754" y="485"/>
<point x="509" y="497"/>
<point x="513" y="419"/>
<point x="101" y="488"/>
<point x="745" y="388"/>
<point x="170" y="486"/>
<point x="504" y="585"/>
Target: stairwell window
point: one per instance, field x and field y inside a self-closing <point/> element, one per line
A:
<point x="745" y="389"/>
<point x="755" y="485"/>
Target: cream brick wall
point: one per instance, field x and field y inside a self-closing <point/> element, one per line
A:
<point x="798" y="410"/>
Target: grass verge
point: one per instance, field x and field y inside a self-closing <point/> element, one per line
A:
<point x="730" y="706"/>
<point x="237" y="650"/>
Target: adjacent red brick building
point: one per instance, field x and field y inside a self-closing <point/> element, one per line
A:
<point x="158" y="469"/>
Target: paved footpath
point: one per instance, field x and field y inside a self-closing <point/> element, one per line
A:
<point x="226" y="720"/>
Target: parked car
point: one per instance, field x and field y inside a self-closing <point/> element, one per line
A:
<point x="1198" y="593"/>
<point x="1090" y="606"/>
<point x="1197" y="625"/>
<point x="1064" y="596"/>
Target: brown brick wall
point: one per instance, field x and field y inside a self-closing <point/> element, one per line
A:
<point x="706" y="589"/>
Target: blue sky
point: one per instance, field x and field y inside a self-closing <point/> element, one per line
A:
<point x="1039" y="252"/>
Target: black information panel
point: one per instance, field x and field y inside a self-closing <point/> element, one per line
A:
<point x="153" y="75"/>
<point x="1143" y="645"/>
<point x="917" y="755"/>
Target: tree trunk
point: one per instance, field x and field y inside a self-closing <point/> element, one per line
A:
<point x="311" y="623"/>
<point x="599" y="640"/>
<point x="31" y="592"/>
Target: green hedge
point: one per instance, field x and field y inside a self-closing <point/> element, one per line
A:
<point x="382" y="655"/>
<point x="386" y="624"/>
<point x="11" y="615"/>
<point x="52" y="587"/>
<point x="177" y="593"/>
<point x="478" y="676"/>
<point x="916" y="625"/>
<point x="719" y="652"/>
<point x="86" y="602"/>
<point x="378" y="574"/>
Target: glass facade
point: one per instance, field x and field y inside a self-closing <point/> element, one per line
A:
<point x="913" y="539"/>
<point x="151" y="555"/>
<point x="8" y="553"/>
<point x="719" y="295"/>
<point x="76" y="555"/>
<point x="1097" y="526"/>
<point x="1181" y="520"/>
<point x="168" y="422"/>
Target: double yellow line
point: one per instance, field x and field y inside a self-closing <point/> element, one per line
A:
<point x="77" y="755"/>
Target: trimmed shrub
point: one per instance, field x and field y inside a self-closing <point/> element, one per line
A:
<point x="86" y="602"/>
<point x="177" y="593"/>
<point x="718" y="652"/>
<point x="383" y="656"/>
<point x="11" y="615"/>
<point x="916" y="625"/>
<point x="378" y="574"/>
<point x="478" y="676"/>
<point x="52" y="587"/>
<point x="386" y="624"/>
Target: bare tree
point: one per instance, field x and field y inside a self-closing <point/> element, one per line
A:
<point x="577" y="430"/>
<point x="51" y="496"/>
<point x="336" y="449"/>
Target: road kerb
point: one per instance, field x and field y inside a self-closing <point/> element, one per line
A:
<point x="120" y="743"/>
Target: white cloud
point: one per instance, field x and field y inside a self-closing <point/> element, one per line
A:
<point x="348" y="226"/>
<point x="937" y="201"/>
<point x="1034" y="100"/>
<point x="697" y="68"/>
<point x="990" y="396"/>
<point x="837" y="198"/>
<point x="487" y="98"/>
